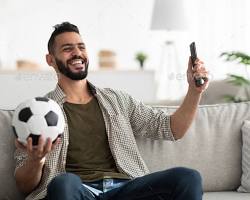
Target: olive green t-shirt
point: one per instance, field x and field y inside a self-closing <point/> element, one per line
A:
<point x="89" y="155"/>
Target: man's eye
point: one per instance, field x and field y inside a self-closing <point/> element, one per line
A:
<point x="67" y="49"/>
<point x="82" y="48"/>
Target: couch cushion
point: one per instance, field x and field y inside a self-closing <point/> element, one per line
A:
<point x="245" y="178"/>
<point x="8" y="188"/>
<point x="225" y="196"/>
<point x="212" y="145"/>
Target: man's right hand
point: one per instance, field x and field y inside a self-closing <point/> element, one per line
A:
<point x="29" y="175"/>
<point x="37" y="153"/>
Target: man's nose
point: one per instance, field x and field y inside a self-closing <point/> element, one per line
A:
<point x="76" y="52"/>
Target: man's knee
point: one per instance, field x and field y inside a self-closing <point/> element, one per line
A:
<point x="188" y="183"/>
<point x="67" y="187"/>
<point x="64" y="182"/>
<point x="189" y="178"/>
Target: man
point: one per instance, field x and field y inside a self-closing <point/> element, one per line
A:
<point x="97" y="157"/>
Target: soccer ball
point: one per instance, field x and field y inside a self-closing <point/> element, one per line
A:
<point x="36" y="116"/>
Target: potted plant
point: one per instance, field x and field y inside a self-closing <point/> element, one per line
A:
<point x="240" y="81"/>
<point x="141" y="57"/>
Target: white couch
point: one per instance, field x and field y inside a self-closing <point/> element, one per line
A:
<point x="213" y="146"/>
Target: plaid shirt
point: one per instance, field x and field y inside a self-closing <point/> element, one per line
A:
<point x="124" y="119"/>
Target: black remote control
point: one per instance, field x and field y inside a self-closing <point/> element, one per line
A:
<point x="199" y="81"/>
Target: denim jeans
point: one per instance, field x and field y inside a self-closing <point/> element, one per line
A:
<point x="173" y="184"/>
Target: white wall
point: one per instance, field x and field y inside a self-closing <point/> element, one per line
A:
<point x="124" y="26"/>
<point x="28" y="84"/>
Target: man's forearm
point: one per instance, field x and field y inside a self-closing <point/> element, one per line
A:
<point x="29" y="175"/>
<point x="181" y="120"/>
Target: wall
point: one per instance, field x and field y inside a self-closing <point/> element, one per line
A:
<point x="124" y="26"/>
<point x="118" y="25"/>
<point x="17" y="86"/>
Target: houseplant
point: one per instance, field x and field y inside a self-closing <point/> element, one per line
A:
<point x="141" y="57"/>
<point x="240" y="81"/>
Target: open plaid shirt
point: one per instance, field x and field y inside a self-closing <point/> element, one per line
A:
<point x="124" y="119"/>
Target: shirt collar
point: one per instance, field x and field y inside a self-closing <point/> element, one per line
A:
<point x="60" y="96"/>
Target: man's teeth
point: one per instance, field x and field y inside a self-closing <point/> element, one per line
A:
<point x="75" y="62"/>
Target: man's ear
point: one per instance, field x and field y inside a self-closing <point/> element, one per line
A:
<point x="50" y="60"/>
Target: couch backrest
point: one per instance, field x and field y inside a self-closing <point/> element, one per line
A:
<point x="8" y="190"/>
<point x="212" y="145"/>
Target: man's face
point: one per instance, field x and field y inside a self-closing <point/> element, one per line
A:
<point x="70" y="56"/>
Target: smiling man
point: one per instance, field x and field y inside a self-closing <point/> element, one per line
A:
<point x="97" y="156"/>
<point x="76" y="67"/>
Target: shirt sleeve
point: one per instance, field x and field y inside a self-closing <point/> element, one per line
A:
<point x="20" y="157"/>
<point x="147" y="121"/>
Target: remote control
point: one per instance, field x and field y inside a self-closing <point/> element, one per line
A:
<point x="199" y="81"/>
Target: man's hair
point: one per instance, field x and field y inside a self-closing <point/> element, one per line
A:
<point x="59" y="29"/>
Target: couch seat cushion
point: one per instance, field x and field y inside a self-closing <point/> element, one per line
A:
<point x="226" y="196"/>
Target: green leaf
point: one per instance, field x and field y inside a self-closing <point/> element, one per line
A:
<point x="238" y="56"/>
<point x="140" y="56"/>
<point x="238" y="80"/>
<point x="231" y="98"/>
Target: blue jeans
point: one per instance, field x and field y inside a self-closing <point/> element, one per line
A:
<point x="173" y="184"/>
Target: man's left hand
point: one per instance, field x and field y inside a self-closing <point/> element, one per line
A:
<point x="198" y="71"/>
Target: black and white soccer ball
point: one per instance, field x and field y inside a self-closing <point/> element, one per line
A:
<point x="36" y="116"/>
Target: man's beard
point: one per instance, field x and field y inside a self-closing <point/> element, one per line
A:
<point x="64" y="69"/>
